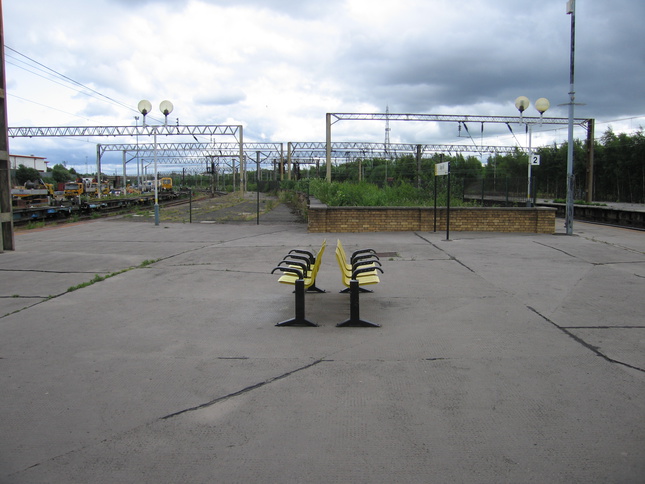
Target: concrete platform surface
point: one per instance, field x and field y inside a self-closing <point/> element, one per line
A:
<point x="501" y="358"/>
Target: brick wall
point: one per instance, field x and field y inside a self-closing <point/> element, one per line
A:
<point x="462" y="219"/>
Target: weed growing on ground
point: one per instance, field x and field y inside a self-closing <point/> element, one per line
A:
<point x="99" y="278"/>
<point x="35" y="225"/>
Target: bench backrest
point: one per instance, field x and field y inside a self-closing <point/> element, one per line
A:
<point x="340" y="258"/>
<point x="314" y="270"/>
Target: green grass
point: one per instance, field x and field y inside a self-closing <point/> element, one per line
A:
<point x="365" y="194"/>
<point x="35" y="225"/>
<point x="580" y="202"/>
<point x="99" y="278"/>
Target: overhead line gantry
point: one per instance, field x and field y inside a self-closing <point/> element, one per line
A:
<point x="333" y="118"/>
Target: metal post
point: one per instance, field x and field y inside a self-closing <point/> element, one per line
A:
<point x="419" y="149"/>
<point x="568" y="223"/>
<point x="242" y="165"/>
<point x="435" y="203"/>
<point x="257" y="162"/>
<point x="289" y="162"/>
<point x="328" y="145"/>
<point x="528" y="192"/>
<point x="212" y="170"/>
<point x="590" y="153"/>
<point x="156" y="187"/>
<point x="448" y="207"/>
<point x="282" y="158"/>
<point x="124" y="171"/>
<point x="98" y="171"/>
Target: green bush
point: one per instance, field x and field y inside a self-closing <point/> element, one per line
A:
<point x="364" y="194"/>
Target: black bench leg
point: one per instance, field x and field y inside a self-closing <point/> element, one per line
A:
<point x="300" y="308"/>
<point x="313" y="288"/>
<point x="354" y="309"/>
<point x="360" y="289"/>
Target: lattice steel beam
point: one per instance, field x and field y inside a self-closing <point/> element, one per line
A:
<point x="319" y="149"/>
<point x="211" y="149"/>
<point x="455" y="118"/>
<point x="170" y="130"/>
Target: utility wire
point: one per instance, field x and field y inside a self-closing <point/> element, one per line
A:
<point x="48" y="107"/>
<point x="51" y="75"/>
<point x="69" y="79"/>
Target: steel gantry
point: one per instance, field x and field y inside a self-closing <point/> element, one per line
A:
<point x="236" y="131"/>
<point x="310" y="151"/>
<point x="179" y="153"/>
<point x="588" y="124"/>
<point x="168" y="130"/>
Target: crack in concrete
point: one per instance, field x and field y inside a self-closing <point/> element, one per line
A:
<point x="453" y="258"/>
<point x="555" y="248"/>
<point x="53" y="272"/>
<point x="603" y="327"/>
<point x="241" y="392"/>
<point x="589" y="346"/>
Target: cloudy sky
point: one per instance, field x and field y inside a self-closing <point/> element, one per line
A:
<point x="277" y="66"/>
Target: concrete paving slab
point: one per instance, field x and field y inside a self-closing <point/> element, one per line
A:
<point x="175" y="372"/>
<point x="604" y="297"/>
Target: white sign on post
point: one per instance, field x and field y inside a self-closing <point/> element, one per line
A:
<point x="441" y="169"/>
<point x="535" y="160"/>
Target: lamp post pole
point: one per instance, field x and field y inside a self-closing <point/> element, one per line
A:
<point x="156" y="179"/>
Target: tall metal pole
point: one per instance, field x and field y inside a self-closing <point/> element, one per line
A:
<point x="528" y="196"/>
<point x="590" y="155"/>
<point x="257" y="181"/>
<point x="6" y="215"/>
<point x="124" y="172"/>
<point x="156" y="182"/>
<point x="328" y="145"/>
<point x="242" y="165"/>
<point x="568" y="222"/>
<point x="419" y="151"/>
<point x="98" y="171"/>
<point x="288" y="163"/>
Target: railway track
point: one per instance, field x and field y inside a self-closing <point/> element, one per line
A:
<point x="91" y="209"/>
<point x="98" y="208"/>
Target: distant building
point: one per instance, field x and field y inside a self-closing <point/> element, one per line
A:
<point x="29" y="161"/>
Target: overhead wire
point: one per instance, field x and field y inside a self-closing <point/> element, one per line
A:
<point x="43" y="67"/>
<point x="41" y="70"/>
<point x="54" y="76"/>
<point x="48" y="107"/>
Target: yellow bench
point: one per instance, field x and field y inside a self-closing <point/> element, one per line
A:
<point x="302" y="274"/>
<point x="306" y="260"/>
<point x="352" y="278"/>
<point x="360" y="259"/>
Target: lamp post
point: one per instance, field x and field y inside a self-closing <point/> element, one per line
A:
<point x="166" y="108"/>
<point x="542" y="104"/>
